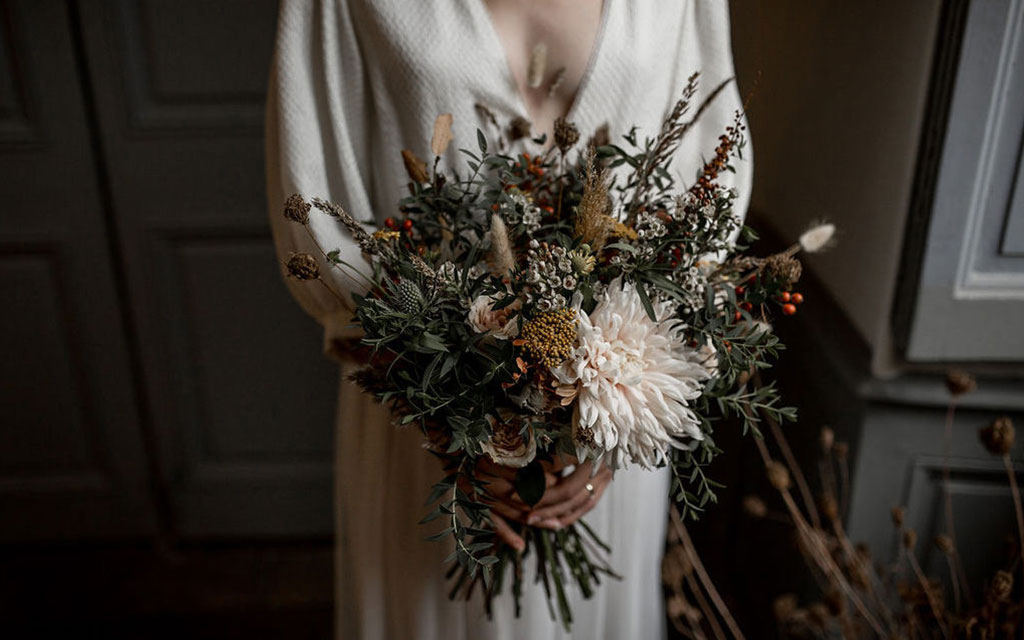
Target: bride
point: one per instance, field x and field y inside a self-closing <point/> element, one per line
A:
<point x="355" y="81"/>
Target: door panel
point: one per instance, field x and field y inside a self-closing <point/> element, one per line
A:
<point x="243" y="401"/>
<point x="72" y="460"/>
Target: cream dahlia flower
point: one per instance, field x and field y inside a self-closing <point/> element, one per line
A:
<point x="632" y="380"/>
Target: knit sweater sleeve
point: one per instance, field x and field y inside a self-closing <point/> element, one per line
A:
<point x="316" y="123"/>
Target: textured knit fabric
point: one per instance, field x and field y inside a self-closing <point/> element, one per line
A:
<point x="355" y="81"/>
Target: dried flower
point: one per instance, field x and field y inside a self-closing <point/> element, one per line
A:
<point x="549" y="337"/>
<point x="909" y="539"/>
<point x="634" y="379"/>
<point x="410" y="298"/>
<point x="998" y="437"/>
<point x="828" y="438"/>
<point x="296" y="209"/>
<point x="566" y="134"/>
<point x="537" y="66"/>
<point x="1002" y="586"/>
<point x="817" y="238"/>
<point x="303" y="266"/>
<point x="960" y="382"/>
<point x="778" y="475"/>
<point x="785" y="269"/>
<point x="592" y="220"/>
<point x="416" y="168"/>
<point x="784" y="606"/>
<point x="898" y="515"/>
<point x="519" y="128"/>
<point x="508" y="446"/>
<point x="945" y="544"/>
<point x="442" y="134"/>
<point x="754" y="507"/>
<point x="500" y="323"/>
<point x="500" y="260"/>
<point x="385" y="235"/>
<point x="582" y="260"/>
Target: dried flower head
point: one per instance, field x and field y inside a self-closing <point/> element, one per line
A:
<point x="817" y="238"/>
<point x="303" y="266"/>
<point x="500" y="259"/>
<point x="1002" y="586"/>
<point x="296" y="209"/>
<point x="754" y="507"/>
<point x="583" y="260"/>
<point x="784" y="606"/>
<point x="778" y="475"/>
<point x="960" y="382"/>
<point x="415" y="167"/>
<point x="519" y="128"/>
<point x="944" y="544"/>
<point x="785" y="269"/>
<point x="549" y="337"/>
<point x="592" y="220"/>
<point x="828" y="439"/>
<point x="898" y="515"/>
<point x="909" y="539"/>
<point x="566" y="134"/>
<point x="829" y="507"/>
<point x="998" y="437"/>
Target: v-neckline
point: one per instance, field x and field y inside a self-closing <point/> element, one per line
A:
<point x="501" y="54"/>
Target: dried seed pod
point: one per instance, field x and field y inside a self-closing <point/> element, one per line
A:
<point x="945" y="544"/>
<point x="566" y="134"/>
<point x="754" y="507"/>
<point x="1002" y="585"/>
<point x="296" y="209"/>
<point x="898" y="514"/>
<point x="998" y="437"/>
<point x="960" y="382"/>
<point x="303" y="266"/>
<point x="783" y="268"/>
<point x="778" y="475"/>
<point x="909" y="539"/>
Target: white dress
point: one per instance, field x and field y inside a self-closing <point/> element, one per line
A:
<point x="355" y="81"/>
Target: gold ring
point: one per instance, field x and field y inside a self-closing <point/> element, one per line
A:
<point x="589" y="488"/>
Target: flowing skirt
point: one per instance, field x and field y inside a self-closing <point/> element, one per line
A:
<point x="390" y="580"/>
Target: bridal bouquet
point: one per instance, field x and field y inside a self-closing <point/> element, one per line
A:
<point x="575" y="304"/>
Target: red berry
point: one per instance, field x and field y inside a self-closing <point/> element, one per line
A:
<point x="797" y="298"/>
<point x="389" y="223"/>
<point x="407" y="224"/>
<point x="784" y="296"/>
<point x="789" y="309"/>
<point x="736" y="317"/>
<point x="740" y="290"/>
<point x="746" y="306"/>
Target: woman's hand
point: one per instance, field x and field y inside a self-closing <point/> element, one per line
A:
<point x="566" y="499"/>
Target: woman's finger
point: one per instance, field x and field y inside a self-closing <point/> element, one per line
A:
<point x="509" y="511"/>
<point x="551" y="517"/>
<point x="566" y="487"/>
<point x="506" y="534"/>
<point x="583" y="509"/>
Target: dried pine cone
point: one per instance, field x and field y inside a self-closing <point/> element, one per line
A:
<point x="302" y="266"/>
<point x="998" y="436"/>
<point x="296" y="209"/>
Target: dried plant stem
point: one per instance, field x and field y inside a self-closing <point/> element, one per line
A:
<point x="953" y="578"/>
<point x="932" y="600"/>
<point x="798" y="476"/>
<point x="331" y="289"/>
<point x="705" y="608"/>
<point x="947" y="492"/>
<point x="702" y="573"/>
<point x="333" y="264"/>
<point x="821" y="555"/>
<point x="1015" y="491"/>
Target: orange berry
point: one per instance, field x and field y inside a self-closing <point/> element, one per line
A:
<point x="407" y="224"/>
<point x="746" y="306"/>
<point x="736" y="317"/>
<point x="789" y="309"/>
<point x="784" y="296"/>
<point x="389" y="223"/>
<point x="797" y="298"/>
